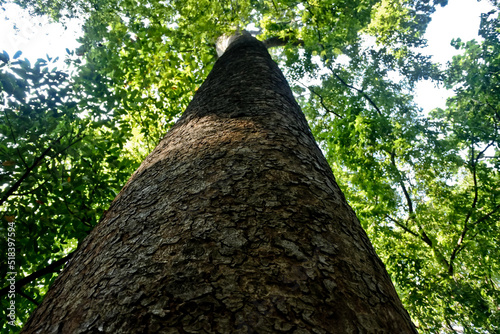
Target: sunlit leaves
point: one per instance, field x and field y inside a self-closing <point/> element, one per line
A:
<point x="58" y="150"/>
<point x="424" y="186"/>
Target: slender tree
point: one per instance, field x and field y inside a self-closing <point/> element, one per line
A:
<point x="233" y="224"/>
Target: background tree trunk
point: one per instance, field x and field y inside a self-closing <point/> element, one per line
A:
<point x="233" y="224"/>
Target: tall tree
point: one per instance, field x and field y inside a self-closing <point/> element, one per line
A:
<point x="424" y="186"/>
<point x="234" y="223"/>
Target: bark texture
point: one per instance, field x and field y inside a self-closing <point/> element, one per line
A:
<point x="233" y="224"/>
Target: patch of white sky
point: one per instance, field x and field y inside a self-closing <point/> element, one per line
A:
<point x="459" y="19"/>
<point x="36" y="37"/>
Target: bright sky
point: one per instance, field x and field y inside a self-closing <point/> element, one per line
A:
<point x="459" y="19"/>
<point x="36" y="37"/>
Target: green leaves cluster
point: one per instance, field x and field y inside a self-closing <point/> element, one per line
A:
<point x="61" y="165"/>
<point x="425" y="186"/>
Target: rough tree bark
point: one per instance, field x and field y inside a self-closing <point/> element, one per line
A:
<point x="233" y="224"/>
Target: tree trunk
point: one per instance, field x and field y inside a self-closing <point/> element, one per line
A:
<point x="233" y="224"/>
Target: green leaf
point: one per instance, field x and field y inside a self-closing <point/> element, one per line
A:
<point x="4" y="57"/>
<point x="17" y="54"/>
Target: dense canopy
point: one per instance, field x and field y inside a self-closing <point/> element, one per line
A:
<point x="425" y="186"/>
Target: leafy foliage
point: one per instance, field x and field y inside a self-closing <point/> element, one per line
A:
<point x="62" y="164"/>
<point x="425" y="186"/>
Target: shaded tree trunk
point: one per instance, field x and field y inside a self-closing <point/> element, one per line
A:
<point x="233" y="224"/>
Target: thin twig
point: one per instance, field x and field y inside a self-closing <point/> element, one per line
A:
<point x="20" y="292"/>
<point x="402" y="184"/>
<point x="488" y="215"/>
<point x="321" y="100"/>
<point x="28" y="171"/>
<point x="397" y="222"/>
<point x="458" y="247"/>
<point x="38" y="160"/>
<point x="84" y="222"/>
<point x="279" y="41"/>
<point x="368" y="98"/>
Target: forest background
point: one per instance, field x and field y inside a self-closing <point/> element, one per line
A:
<point x="425" y="186"/>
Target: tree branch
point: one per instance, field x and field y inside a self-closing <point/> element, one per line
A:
<point x="321" y="100"/>
<point x="30" y="191"/>
<point x="51" y="268"/>
<point x="273" y="42"/>
<point x="360" y="91"/>
<point x="84" y="222"/>
<point x="28" y="171"/>
<point x="405" y="228"/>
<point x="450" y="326"/>
<point x="20" y="292"/>
<point x="497" y="114"/>
<point x="488" y="215"/>
<point x="38" y="160"/>
<point x="409" y="202"/>
<point x="458" y="247"/>
<point x="423" y="235"/>
<point x="342" y="81"/>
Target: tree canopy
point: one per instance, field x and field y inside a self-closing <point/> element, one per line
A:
<point x="425" y="186"/>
